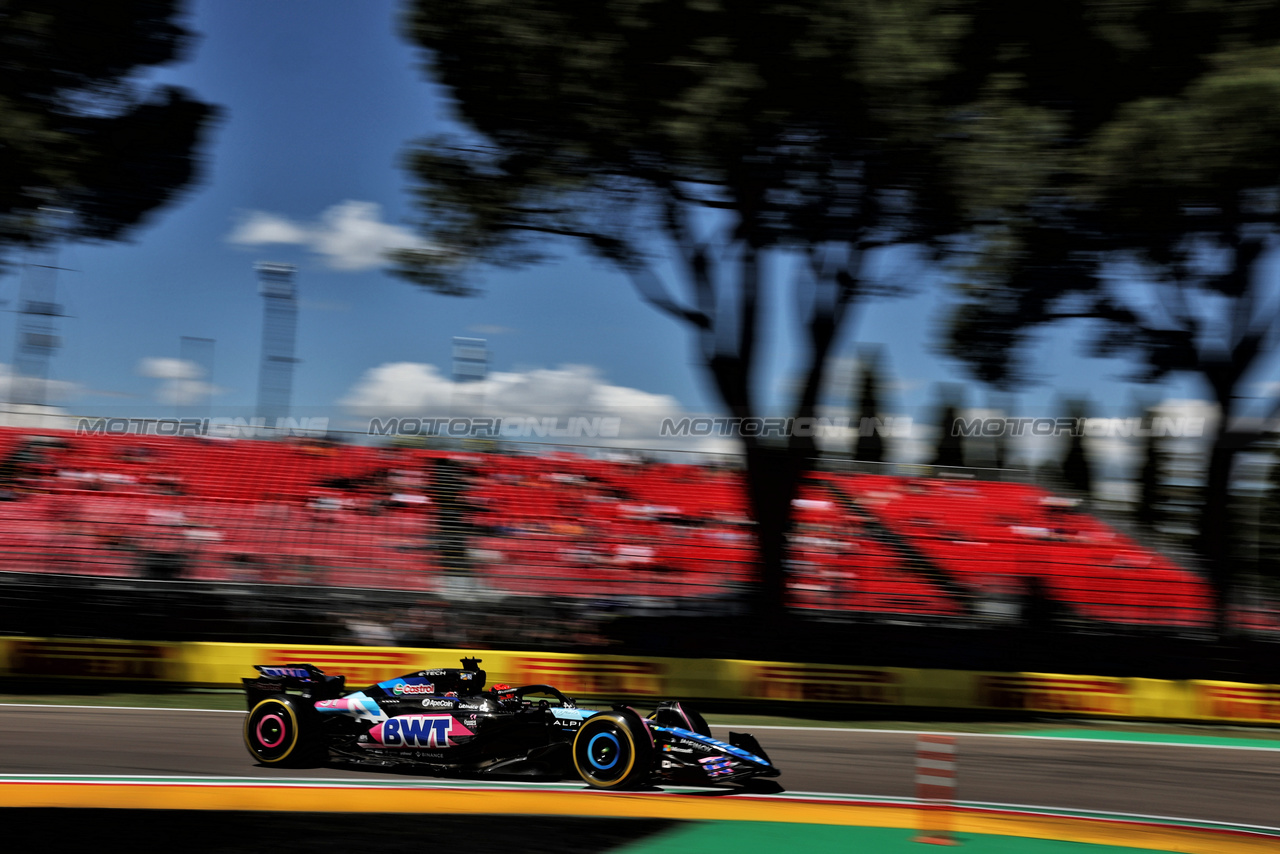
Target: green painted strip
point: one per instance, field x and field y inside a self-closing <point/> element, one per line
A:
<point x="755" y="836"/>
<point x="1127" y="818"/>
<point x="1159" y="738"/>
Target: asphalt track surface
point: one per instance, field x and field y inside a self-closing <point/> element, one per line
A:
<point x="1238" y="786"/>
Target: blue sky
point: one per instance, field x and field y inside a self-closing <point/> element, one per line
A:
<point x="320" y="97"/>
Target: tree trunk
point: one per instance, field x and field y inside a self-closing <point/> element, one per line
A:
<point x="773" y="478"/>
<point x="1214" y="540"/>
<point x="773" y="472"/>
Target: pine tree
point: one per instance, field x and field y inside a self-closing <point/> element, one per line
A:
<point x="1076" y="470"/>
<point x="870" y="446"/>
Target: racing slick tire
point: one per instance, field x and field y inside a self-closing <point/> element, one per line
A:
<point x="279" y="730"/>
<point x="612" y="750"/>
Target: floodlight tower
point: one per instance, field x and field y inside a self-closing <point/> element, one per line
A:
<point x="470" y="365"/>
<point x="279" y="326"/>
<point x="38" y="309"/>
<point x="470" y="359"/>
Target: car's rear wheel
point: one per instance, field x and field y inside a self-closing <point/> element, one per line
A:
<point x="612" y="751"/>
<point x="279" y="731"/>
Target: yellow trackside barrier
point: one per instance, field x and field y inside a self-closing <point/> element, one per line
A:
<point x="132" y="661"/>
<point x="1084" y="695"/>
<point x="629" y="677"/>
<point x="1237" y="701"/>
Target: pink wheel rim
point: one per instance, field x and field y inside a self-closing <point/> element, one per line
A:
<point x="262" y="739"/>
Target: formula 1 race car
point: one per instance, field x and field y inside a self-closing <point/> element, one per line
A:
<point x="445" y="722"/>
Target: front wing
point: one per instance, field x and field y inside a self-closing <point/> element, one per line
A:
<point x="684" y="756"/>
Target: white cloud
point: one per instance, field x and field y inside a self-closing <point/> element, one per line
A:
<point x="182" y="382"/>
<point x="160" y="368"/>
<point x="415" y="390"/>
<point x="259" y="228"/>
<point x="351" y="235"/>
<point x="27" y="388"/>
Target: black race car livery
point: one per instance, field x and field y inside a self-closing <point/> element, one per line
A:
<point x="446" y="721"/>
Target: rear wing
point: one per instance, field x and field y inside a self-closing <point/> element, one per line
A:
<point x="296" y="672"/>
<point x="305" y="679"/>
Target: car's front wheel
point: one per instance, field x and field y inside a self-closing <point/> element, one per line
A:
<point x="612" y="750"/>
<point x="279" y="731"/>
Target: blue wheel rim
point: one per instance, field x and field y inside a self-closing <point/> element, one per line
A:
<point x="591" y="751"/>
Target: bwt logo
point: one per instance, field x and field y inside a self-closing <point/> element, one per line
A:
<point x="417" y="731"/>
<point x="226" y="428"/>
<point x="1093" y="428"/>
<point x="572" y="427"/>
<point x="784" y="428"/>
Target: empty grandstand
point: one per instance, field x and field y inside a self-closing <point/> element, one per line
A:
<point x="566" y="526"/>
